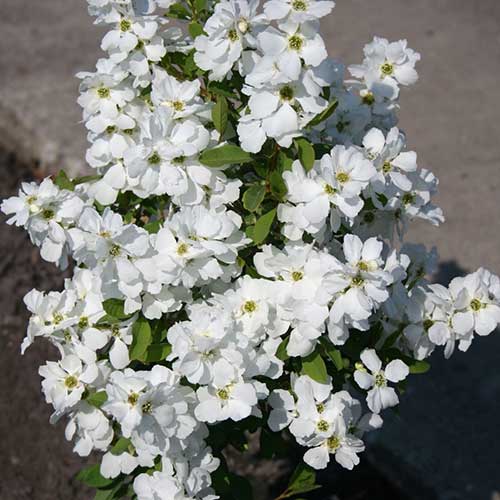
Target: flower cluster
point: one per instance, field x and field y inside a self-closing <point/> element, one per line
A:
<point x="233" y="256"/>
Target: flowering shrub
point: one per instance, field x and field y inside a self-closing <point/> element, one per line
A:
<point x="233" y="256"/>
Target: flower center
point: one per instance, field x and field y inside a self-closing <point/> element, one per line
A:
<point x="333" y="443"/>
<point x="70" y="382"/>
<point x="103" y="92"/>
<point x="179" y="160"/>
<point x="297" y="275"/>
<point x="387" y="167"/>
<point x="177" y="105"/>
<point x="57" y="318"/>
<point x="132" y="399"/>
<point x="342" y="177"/>
<point x="48" y="213"/>
<point x="357" y="280"/>
<point x="380" y="380"/>
<point x="329" y="190"/>
<point x="147" y="408"/>
<point x="154" y="159"/>
<point x="299" y="5"/>
<point x="233" y="36"/>
<point x="387" y="69"/>
<point x="363" y="266"/>
<point x="223" y="394"/>
<point x="115" y="250"/>
<point x="475" y="304"/>
<point x="286" y="93"/>
<point x="83" y="322"/>
<point x="323" y="426"/>
<point x="368" y="98"/>
<point x="250" y="306"/>
<point x="125" y="25"/>
<point x="295" y="42"/>
<point x="182" y="249"/>
<point x="408" y="198"/>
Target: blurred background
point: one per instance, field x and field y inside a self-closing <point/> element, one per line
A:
<point x="445" y="444"/>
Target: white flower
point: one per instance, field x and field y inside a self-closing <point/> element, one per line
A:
<point x="292" y="45"/>
<point x="278" y="110"/>
<point x="133" y="33"/>
<point x="45" y="211"/>
<point x="344" y="446"/>
<point x="380" y="396"/>
<point x="296" y="12"/>
<point x="91" y="428"/>
<point x="105" y="241"/>
<point x="149" y="402"/>
<point x="182" y="97"/>
<point x="478" y="307"/>
<point x="154" y="165"/>
<point x="393" y="63"/>
<point x="228" y="397"/>
<point x="229" y="31"/>
<point x="106" y="190"/>
<point x="389" y="158"/>
<point x="202" y="243"/>
<point x="197" y="344"/>
<point x="120" y="335"/>
<point x="283" y="410"/>
<point x="104" y="91"/>
<point x="361" y="284"/>
<point x="65" y="381"/>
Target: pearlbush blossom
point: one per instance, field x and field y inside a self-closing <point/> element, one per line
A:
<point x="233" y="254"/>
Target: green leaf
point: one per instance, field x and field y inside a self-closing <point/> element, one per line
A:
<point x="334" y="354"/>
<point x="157" y="352"/>
<point x="303" y="480"/>
<point x="253" y="197"/>
<point x="278" y="186"/>
<point x="285" y="160"/>
<point x="178" y="11"/>
<point x="141" y="332"/>
<point x="91" y="476"/>
<point x="263" y="226"/>
<point x="200" y="5"/>
<point x="62" y="181"/>
<point x="122" y="445"/>
<point x="115" y="308"/>
<point x="281" y="352"/>
<point x="224" y="155"/>
<point x="221" y="88"/>
<point x="219" y="114"/>
<point x="314" y="367"/>
<point x="419" y="367"/>
<point x="97" y="399"/>
<point x="325" y="114"/>
<point x="306" y="153"/>
<point x="195" y="29"/>
<point x="153" y="227"/>
<point x="111" y="493"/>
<point x="86" y="178"/>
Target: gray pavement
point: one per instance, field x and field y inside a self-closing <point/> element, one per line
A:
<point x="447" y="438"/>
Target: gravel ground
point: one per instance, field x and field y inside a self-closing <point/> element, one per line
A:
<point x="36" y="463"/>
